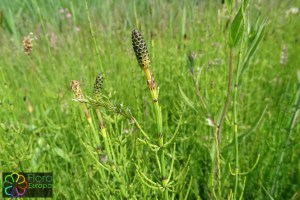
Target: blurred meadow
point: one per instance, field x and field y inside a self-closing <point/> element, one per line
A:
<point x="254" y="154"/>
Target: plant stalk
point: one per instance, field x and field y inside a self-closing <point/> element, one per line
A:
<point x="228" y="97"/>
<point x="217" y="170"/>
<point x="235" y="94"/>
<point x="154" y="94"/>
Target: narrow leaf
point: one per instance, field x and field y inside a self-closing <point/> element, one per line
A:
<point x="236" y="30"/>
<point x="258" y="36"/>
<point x="228" y="5"/>
<point x="256" y="124"/>
<point x="245" y="4"/>
<point x="186" y="99"/>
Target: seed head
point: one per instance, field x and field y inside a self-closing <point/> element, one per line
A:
<point x="284" y="55"/>
<point x="75" y="87"/>
<point x="140" y="49"/>
<point x="27" y="44"/>
<point x="98" y="84"/>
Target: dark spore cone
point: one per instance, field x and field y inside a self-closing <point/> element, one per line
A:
<point x="140" y="49"/>
<point x="98" y="84"/>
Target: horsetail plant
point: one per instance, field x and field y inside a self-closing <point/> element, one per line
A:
<point x="142" y="55"/>
<point x="108" y="159"/>
<point x="106" y="138"/>
<point x="97" y="94"/>
<point x="76" y="88"/>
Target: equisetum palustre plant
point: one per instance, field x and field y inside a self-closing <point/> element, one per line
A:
<point x="161" y="176"/>
<point x="156" y="142"/>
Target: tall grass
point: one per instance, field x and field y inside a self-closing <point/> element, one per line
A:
<point x="114" y="151"/>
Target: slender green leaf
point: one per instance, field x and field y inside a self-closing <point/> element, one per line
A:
<point x="237" y="28"/>
<point x="255" y="126"/>
<point x="186" y="99"/>
<point x="258" y="36"/>
<point x="228" y="5"/>
<point x="245" y="4"/>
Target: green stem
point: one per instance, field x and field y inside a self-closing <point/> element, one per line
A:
<point x="163" y="172"/>
<point x="104" y="135"/>
<point x="227" y="101"/>
<point x="110" y="154"/>
<point x="161" y="152"/>
<point x="217" y="170"/>
<point x="236" y="138"/>
<point x="158" y="118"/>
<point x="45" y="33"/>
<point x="140" y="128"/>
<point x="93" y="36"/>
<point x="235" y="115"/>
<point x="96" y="140"/>
<point x="121" y="181"/>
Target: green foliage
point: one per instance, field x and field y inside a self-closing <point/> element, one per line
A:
<point x="44" y="129"/>
<point x="237" y="26"/>
<point x="255" y="38"/>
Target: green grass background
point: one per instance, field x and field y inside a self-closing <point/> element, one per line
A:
<point x="51" y="138"/>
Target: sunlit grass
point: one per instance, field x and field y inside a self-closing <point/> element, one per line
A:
<point x="42" y="129"/>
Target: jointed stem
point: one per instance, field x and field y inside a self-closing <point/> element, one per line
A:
<point x="154" y="94"/>
<point x="141" y="52"/>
